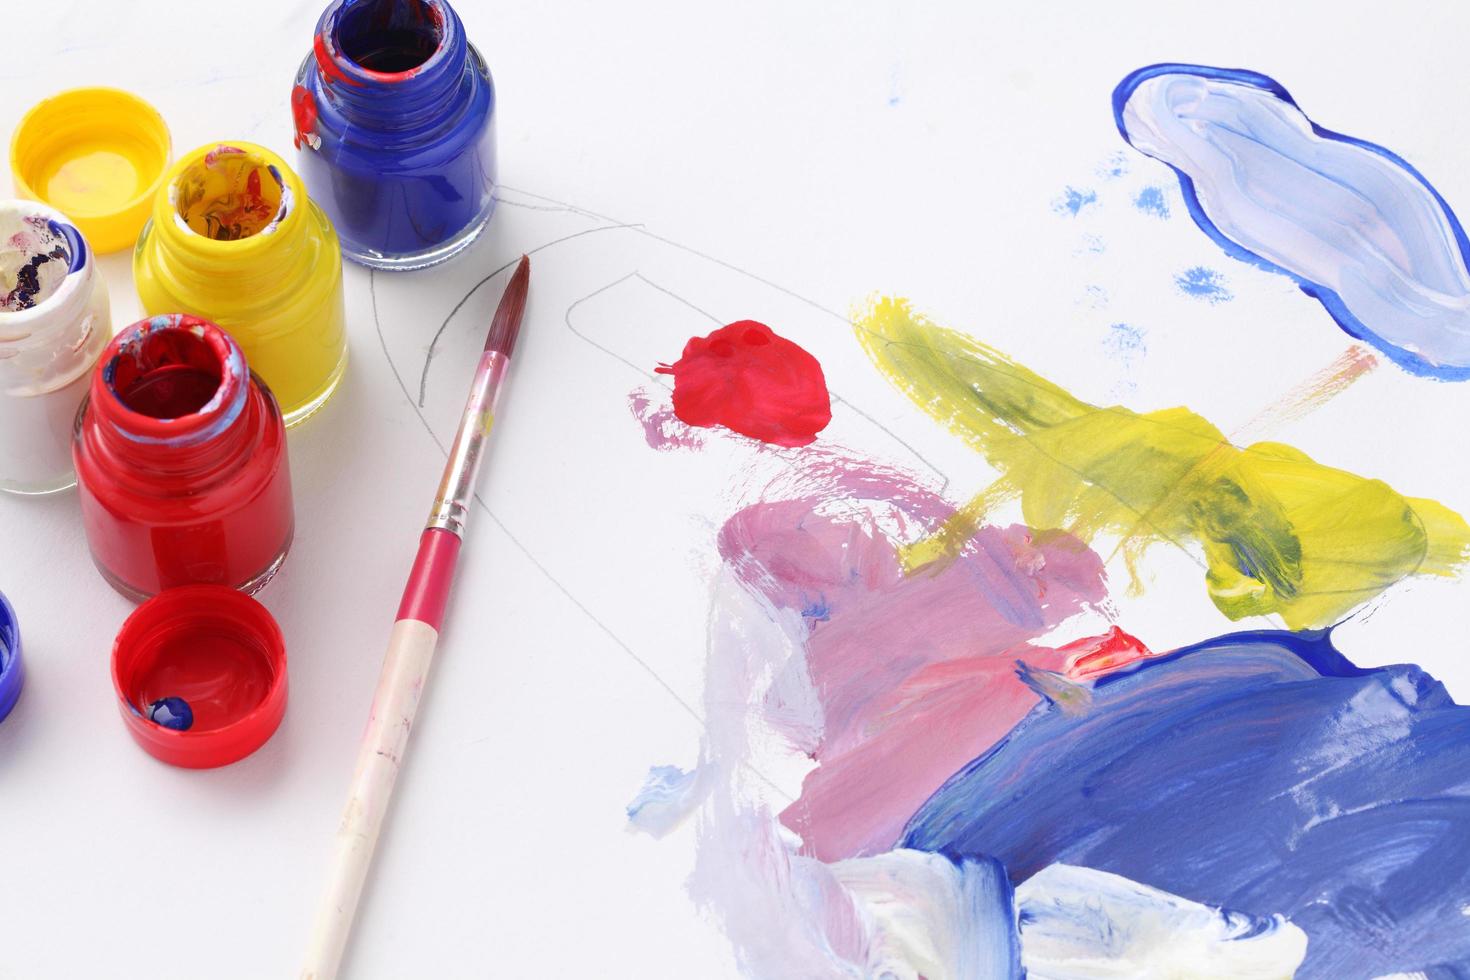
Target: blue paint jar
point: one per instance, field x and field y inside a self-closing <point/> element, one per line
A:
<point x="394" y="115"/>
<point x="12" y="668"/>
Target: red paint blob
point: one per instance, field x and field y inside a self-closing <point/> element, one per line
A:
<point x="753" y="382"/>
<point x="1094" y="656"/>
<point x="303" y="110"/>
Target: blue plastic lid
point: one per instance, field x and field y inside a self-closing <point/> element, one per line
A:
<point x="12" y="668"/>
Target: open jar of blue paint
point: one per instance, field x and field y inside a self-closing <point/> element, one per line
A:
<point x="394" y="115"/>
<point x="12" y="668"/>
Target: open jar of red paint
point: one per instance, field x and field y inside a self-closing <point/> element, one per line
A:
<point x="181" y="462"/>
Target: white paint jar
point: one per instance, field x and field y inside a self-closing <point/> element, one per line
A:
<point x="54" y="322"/>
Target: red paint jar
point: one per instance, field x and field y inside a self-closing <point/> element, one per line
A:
<point x="181" y="462"/>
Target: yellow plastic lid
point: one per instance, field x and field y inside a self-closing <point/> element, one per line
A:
<point x="97" y="155"/>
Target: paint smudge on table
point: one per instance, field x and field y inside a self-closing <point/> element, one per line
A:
<point x="1279" y="532"/>
<point x="748" y="379"/>
<point x="1355" y="225"/>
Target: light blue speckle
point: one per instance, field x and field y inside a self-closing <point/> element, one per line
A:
<point x="1113" y="167"/>
<point x="666" y="798"/>
<point x="1124" y="344"/>
<point x="1150" y="200"/>
<point x="1091" y="245"/>
<point x="1204" y="284"/>
<point x="1125" y="341"/>
<point x="1095" y="297"/>
<point x="1073" y="201"/>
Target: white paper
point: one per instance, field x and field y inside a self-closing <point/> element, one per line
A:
<point x="765" y="160"/>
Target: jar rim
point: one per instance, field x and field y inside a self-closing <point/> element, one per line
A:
<point x="20" y="328"/>
<point x="207" y="421"/>
<point x="282" y="225"/>
<point x="336" y="64"/>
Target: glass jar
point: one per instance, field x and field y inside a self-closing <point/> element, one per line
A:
<point x="235" y="239"/>
<point x="394" y="113"/>
<point x="181" y="462"/>
<point x="54" y="322"/>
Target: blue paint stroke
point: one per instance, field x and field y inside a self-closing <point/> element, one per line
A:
<point x="1204" y="284"/>
<point x="990" y="902"/>
<point x="1259" y="770"/>
<point x="817" y="610"/>
<point x="1150" y="200"/>
<point x="1073" y="201"/>
<point x="1354" y="224"/>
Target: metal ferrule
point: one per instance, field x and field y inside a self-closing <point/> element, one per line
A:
<point x="457" y="490"/>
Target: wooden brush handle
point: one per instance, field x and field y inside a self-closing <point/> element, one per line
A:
<point x="405" y="669"/>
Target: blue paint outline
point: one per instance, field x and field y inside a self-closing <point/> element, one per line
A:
<point x="1330" y="300"/>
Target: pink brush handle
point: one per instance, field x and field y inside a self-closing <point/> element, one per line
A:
<point x="427" y="592"/>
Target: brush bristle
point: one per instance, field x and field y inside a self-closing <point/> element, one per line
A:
<point x="506" y="326"/>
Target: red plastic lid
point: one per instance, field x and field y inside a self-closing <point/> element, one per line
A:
<point x="200" y="674"/>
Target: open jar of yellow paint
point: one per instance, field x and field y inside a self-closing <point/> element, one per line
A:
<point x="98" y="156"/>
<point x="233" y="238"/>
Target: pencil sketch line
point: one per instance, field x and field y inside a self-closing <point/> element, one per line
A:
<point x="696" y="252"/>
<point x="567" y="319"/>
<point x="675" y="296"/>
<point x="555" y="582"/>
<point x="429" y="354"/>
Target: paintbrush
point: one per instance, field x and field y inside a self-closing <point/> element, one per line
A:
<point x="411" y="648"/>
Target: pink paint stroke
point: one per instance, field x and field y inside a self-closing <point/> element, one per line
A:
<point x="916" y="674"/>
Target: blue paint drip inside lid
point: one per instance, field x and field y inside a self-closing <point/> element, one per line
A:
<point x="12" y="667"/>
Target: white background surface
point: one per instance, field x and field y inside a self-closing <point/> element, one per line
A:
<point x="830" y="149"/>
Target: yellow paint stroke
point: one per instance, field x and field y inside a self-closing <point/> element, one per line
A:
<point x="1280" y="533"/>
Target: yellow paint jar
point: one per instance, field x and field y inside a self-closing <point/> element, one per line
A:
<point x="98" y="156"/>
<point x="234" y="239"/>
